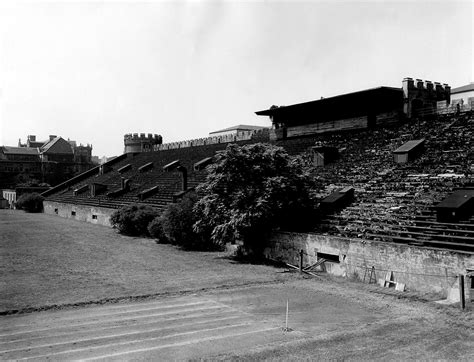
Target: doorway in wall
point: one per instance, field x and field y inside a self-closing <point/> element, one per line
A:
<point x="416" y="106"/>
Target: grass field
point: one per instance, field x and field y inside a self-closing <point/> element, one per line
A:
<point x="47" y="261"/>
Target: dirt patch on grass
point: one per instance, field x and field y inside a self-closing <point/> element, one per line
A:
<point x="344" y="320"/>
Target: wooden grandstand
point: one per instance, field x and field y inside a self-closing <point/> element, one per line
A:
<point x="393" y="202"/>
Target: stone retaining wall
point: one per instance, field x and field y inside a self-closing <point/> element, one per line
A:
<point x="420" y="269"/>
<point x="92" y="214"/>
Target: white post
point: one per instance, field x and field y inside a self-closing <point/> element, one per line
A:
<point x="286" y="321"/>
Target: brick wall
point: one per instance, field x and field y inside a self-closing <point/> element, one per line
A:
<point x="420" y="269"/>
<point x="92" y="214"/>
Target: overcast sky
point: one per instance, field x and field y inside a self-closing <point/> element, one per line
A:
<point x="94" y="71"/>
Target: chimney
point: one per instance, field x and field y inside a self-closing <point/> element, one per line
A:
<point x="407" y="85"/>
<point x="32" y="138"/>
<point x="429" y="86"/>
<point x="52" y="137"/>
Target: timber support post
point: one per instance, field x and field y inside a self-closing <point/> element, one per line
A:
<point x="301" y="261"/>
<point x="462" y="298"/>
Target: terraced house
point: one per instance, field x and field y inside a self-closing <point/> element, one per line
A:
<point x="52" y="161"/>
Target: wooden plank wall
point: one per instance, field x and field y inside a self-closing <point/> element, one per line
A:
<point x="331" y="126"/>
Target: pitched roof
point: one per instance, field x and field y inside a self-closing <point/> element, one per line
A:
<point x="20" y="150"/>
<point x="61" y="146"/>
<point x="50" y="143"/>
<point x="456" y="199"/>
<point x="240" y="127"/>
<point x="464" y="88"/>
<point x="408" y="146"/>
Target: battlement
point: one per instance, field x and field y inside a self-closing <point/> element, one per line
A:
<point x="133" y="137"/>
<point x="263" y="133"/>
<point x="420" y="84"/>
<point x="142" y="142"/>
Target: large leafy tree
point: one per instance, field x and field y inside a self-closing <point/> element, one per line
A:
<point x="249" y="191"/>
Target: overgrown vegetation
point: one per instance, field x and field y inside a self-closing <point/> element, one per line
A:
<point x="31" y="202"/>
<point x="155" y="229"/>
<point x="251" y="190"/>
<point x="133" y="219"/>
<point x="175" y="226"/>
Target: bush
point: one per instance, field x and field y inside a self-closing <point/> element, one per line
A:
<point x="155" y="228"/>
<point x="177" y="224"/>
<point x="133" y="219"/>
<point x="32" y="202"/>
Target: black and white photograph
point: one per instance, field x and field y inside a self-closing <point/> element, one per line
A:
<point x="236" y="180"/>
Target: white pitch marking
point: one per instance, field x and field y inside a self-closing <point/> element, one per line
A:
<point x="192" y="315"/>
<point x="117" y="335"/>
<point x="113" y="320"/>
<point x="136" y="341"/>
<point x="179" y="344"/>
<point x="98" y="314"/>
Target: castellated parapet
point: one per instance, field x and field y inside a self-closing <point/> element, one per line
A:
<point x="421" y="96"/>
<point x="142" y="142"/>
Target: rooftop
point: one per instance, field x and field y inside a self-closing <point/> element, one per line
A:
<point x="456" y="199"/>
<point x="381" y="99"/>
<point x="20" y="150"/>
<point x="240" y="127"/>
<point x="408" y="146"/>
<point x="464" y="88"/>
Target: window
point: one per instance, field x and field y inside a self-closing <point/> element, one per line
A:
<point x="329" y="257"/>
<point x="94" y="217"/>
<point x="73" y="213"/>
<point x="56" y="211"/>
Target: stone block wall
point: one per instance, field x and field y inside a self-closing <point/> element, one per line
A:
<point x="92" y="214"/>
<point x="420" y="269"/>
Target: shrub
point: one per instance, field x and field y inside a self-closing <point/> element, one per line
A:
<point x="133" y="219"/>
<point x="177" y="223"/>
<point x="155" y="228"/>
<point x="31" y="202"/>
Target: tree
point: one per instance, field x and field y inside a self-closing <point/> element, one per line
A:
<point x="250" y="190"/>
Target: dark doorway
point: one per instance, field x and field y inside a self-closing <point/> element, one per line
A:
<point x="416" y="106"/>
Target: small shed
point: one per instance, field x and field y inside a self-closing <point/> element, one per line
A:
<point x="338" y="199"/>
<point x="457" y="206"/>
<point x="408" y="151"/>
<point x="322" y="155"/>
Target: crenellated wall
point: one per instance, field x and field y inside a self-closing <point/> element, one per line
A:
<point x="255" y="135"/>
<point x="422" y="96"/>
<point x="135" y="142"/>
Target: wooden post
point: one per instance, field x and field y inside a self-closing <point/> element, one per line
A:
<point x="301" y="261"/>
<point x="462" y="299"/>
